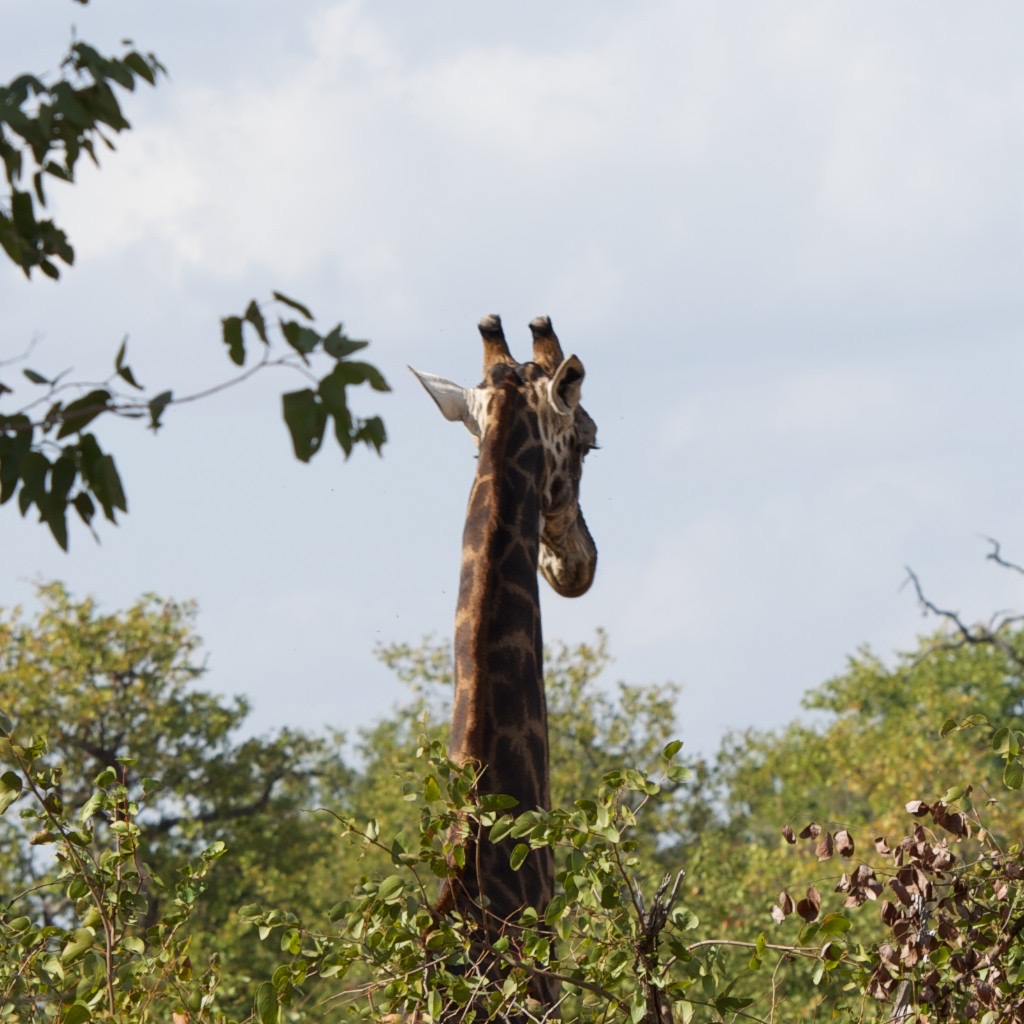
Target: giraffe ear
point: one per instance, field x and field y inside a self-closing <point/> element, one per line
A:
<point x="565" y="386"/>
<point x="452" y="400"/>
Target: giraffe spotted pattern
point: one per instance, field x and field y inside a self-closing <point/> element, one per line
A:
<point x="523" y="515"/>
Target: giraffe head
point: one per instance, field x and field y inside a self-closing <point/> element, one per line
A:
<point x="549" y="387"/>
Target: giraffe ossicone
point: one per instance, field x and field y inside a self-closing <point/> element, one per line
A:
<point x="523" y="515"/>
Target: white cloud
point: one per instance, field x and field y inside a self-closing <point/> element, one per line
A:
<point x="654" y="142"/>
<point x="785" y="240"/>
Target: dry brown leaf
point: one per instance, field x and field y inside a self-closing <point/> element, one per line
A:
<point x="863" y="875"/>
<point x="901" y="891"/>
<point x="809" y="907"/>
<point x="844" y="843"/>
<point x="825" y="846"/>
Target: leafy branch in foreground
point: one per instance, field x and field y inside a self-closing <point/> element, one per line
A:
<point x="951" y="913"/>
<point x="615" y="938"/>
<point x="52" y="460"/>
<point x="101" y="959"/>
<point x="44" y="129"/>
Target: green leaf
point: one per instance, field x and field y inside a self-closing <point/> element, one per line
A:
<point x="295" y="305"/>
<point x="338" y="346"/>
<point x="431" y="791"/>
<point x="1001" y="740"/>
<point x="231" y="329"/>
<point x="255" y="317"/>
<point x="391" y="889"/>
<point x="555" y="909"/>
<point x="107" y="487"/>
<point x="83" y="411"/>
<point x="332" y="393"/>
<point x="1013" y="774"/>
<point x="35" y="467"/>
<point x="6" y="725"/>
<point x="62" y="476"/>
<point x="501" y="828"/>
<point x="685" y="919"/>
<point x="302" y="339"/>
<point x="84" y="507"/>
<point x="123" y="371"/>
<point x="362" y="373"/>
<point x="671" y="750"/>
<point x="10" y="789"/>
<point x="141" y="67"/>
<point x="834" y="924"/>
<point x="497" y="802"/>
<point x="266" y="1004"/>
<point x="134" y="944"/>
<point x="372" y="433"/>
<point x="77" y="946"/>
<point x="306" y="419"/>
<point x="78" y="1013"/>
<point x="36" y="378"/>
<point x="157" y="406"/>
<point x="23" y="215"/>
<point x="216" y="849"/>
<point x="95" y="803"/>
<point x="518" y="856"/>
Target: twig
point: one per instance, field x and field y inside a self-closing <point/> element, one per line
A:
<point x="978" y="635"/>
<point x="995" y="556"/>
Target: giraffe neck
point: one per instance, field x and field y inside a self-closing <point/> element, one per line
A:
<point x="499" y="716"/>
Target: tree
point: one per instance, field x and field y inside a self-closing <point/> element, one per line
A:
<point x="103" y="688"/>
<point x="123" y="692"/>
<point x="47" y="456"/>
<point x="97" y="959"/>
<point x="594" y="729"/>
<point x="678" y="888"/>
<point x="881" y="735"/>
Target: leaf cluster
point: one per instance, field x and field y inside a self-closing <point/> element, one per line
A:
<point x="618" y="941"/>
<point x="45" y="127"/>
<point x="120" y="689"/>
<point x="307" y="411"/>
<point x="106" y="955"/>
<point x="51" y="459"/>
<point x="951" y="919"/>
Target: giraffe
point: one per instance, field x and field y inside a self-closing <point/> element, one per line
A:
<point x="523" y="515"/>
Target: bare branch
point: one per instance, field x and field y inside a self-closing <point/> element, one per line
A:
<point x="965" y="635"/>
<point x="995" y="556"/>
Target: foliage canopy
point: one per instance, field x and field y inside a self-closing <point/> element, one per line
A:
<point x="684" y="890"/>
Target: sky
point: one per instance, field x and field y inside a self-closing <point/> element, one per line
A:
<point x="786" y="240"/>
